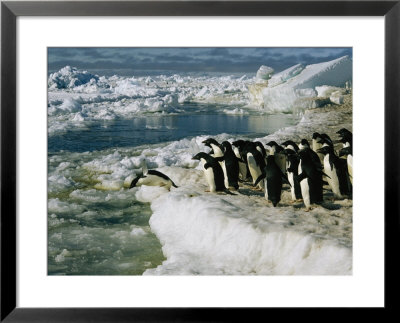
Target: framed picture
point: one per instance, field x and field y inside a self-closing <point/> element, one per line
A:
<point x="119" y="199"/>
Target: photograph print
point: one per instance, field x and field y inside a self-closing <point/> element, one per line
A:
<point x="199" y="161"/>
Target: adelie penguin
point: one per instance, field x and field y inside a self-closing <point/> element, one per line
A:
<point x="336" y="169"/>
<point x="255" y="161"/>
<point x="212" y="172"/>
<point x="231" y="166"/>
<point x="277" y="151"/>
<point x="217" y="151"/>
<point x="152" y="177"/>
<point x="244" y="172"/>
<point x="273" y="179"/>
<point x="348" y="152"/>
<point x="310" y="179"/>
<point x="292" y="170"/>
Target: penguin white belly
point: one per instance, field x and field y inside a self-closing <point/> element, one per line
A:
<point x="291" y="181"/>
<point x="209" y="174"/>
<point x="255" y="171"/>
<point x="350" y="167"/>
<point x="266" y="189"/>
<point x="226" y="182"/>
<point x="217" y="151"/>
<point x="152" y="180"/>
<point x="333" y="181"/>
<point x="305" y="192"/>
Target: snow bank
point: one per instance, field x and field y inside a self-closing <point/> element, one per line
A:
<point x="211" y="234"/>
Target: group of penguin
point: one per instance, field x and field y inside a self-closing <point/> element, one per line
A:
<point x="306" y="169"/>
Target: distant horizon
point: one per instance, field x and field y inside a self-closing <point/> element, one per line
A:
<point x="153" y="60"/>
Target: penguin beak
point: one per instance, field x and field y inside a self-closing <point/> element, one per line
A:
<point x="321" y="150"/>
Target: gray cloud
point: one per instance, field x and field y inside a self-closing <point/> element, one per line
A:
<point x="186" y="59"/>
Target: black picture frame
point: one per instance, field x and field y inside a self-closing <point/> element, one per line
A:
<point x="10" y="10"/>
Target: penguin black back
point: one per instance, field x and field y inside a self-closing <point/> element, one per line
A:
<point x="231" y="165"/>
<point x="273" y="181"/>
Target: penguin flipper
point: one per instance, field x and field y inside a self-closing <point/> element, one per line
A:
<point x="207" y="165"/>
<point x="261" y="177"/>
<point x="325" y="174"/>
<point x="301" y="176"/>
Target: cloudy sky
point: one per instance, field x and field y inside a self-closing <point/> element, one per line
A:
<point x="217" y="59"/>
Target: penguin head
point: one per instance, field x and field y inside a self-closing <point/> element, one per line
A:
<point x="325" y="150"/>
<point x="344" y="132"/>
<point x="210" y="141"/>
<point x="226" y="146"/>
<point x="305" y="143"/>
<point x="271" y="144"/>
<point x="290" y="144"/>
<point x="201" y="155"/>
<point x="238" y="143"/>
<point x="316" y="135"/>
<point x="325" y="141"/>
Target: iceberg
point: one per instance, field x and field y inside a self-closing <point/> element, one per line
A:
<point x="287" y="90"/>
<point x="69" y="77"/>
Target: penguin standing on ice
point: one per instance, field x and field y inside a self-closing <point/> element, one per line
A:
<point x="277" y="151"/>
<point x="217" y="151"/>
<point x="310" y="179"/>
<point x="255" y="161"/>
<point x="348" y="153"/>
<point x="273" y="181"/>
<point x="231" y="165"/>
<point x="213" y="172"/>
<point x="336" y="169"/>
<point x="292" y="170"/>
<point x="152" y="177"/>
<point x="244" y="172"/>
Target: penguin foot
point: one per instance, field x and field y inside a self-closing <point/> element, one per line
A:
<point x="308" y="209"/>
